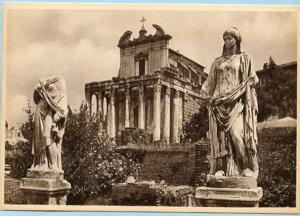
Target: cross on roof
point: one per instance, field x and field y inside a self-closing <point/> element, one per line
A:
<point x="142" y="21"/>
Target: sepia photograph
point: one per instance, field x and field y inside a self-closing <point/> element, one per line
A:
<point x="149" y="107"/>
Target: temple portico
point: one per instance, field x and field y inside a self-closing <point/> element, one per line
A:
<point x="156" y="90"/>
<point x="146" y="104"/>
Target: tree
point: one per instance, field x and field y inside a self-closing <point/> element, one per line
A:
<point x="23" y="158"/>
<point x="277" y="95"/>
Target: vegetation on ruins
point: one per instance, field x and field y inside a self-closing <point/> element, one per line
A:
<point x="90" y="160"/>
<point x="277" y="161"/>
<point x="278" y="94"/>
<point x="197" y="127"/>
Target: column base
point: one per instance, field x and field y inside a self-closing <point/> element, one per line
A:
<point x="228" y="197"/>
<point x="45" y="188"/>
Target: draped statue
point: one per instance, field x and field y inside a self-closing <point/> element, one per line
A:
<point x="49" y="123"/>
<point x="232" y="104"/>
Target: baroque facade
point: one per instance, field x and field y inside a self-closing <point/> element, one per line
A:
<point x="156" y="90"/>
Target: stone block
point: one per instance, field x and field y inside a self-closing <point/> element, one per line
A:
<point x="45" y="188"/>
<point x="231" y="182"/>
<point x="151" y="194"/>
<point x="227" y="197"/>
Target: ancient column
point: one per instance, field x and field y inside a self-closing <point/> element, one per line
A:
<point x="108" y="113"/>
<point x="127" y="106"/>
<point x="175" y="104"/>
<point x="99" y="103"/>
<point x="156" y="112"/>
<point x="88" y="100"/>
<point x="141" y="122"/>
<point x="166" y="131"/>
<point x="112" y="115"/>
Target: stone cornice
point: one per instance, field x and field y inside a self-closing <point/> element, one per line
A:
<point x="160" y="35"/>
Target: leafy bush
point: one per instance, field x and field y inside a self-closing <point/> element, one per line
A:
<point x="278" y="170"/>
<point x="197" y="127"/>
<point x="90" y="160"/>
<point x="22" y="151"/>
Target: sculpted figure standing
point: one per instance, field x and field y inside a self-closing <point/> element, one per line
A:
<point x="49" y="123"/>
<point x="229" y="89"/>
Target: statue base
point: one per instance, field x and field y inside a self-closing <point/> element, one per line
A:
<point x="227" y="191"/>
<point x="227" y="197"/>
<point x="231" y="182"/>
<point x="45" y="187"/>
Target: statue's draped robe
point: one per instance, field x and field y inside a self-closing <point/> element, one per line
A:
<point x="232" y="114"/>
<point x="50" y="97"/>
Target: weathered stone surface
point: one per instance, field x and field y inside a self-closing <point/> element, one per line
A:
<point x="149" y="193"/>
<point x="12" y="192"/>
<point x="191" y="106"/>
<point x="231" y="182"/>
<point x="133" y="136"/>
<point x="227" y="197"/>
<point x="202" y="152"/>
<point x="45" y="191"/>
<point x="45" y="174"/>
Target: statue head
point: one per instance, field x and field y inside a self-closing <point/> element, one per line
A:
<point x="232" y="37"/>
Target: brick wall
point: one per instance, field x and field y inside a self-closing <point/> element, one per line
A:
<point x="191" y="106"/>
<point x="175" y="167"/>
<point x="202" y="164"/>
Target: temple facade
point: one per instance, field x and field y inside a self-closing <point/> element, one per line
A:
<point x="156" y="90"/>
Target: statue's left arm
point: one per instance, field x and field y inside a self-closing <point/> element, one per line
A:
<point x="253" y="79"/>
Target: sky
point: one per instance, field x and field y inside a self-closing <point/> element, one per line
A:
<point x="81" y="45"/>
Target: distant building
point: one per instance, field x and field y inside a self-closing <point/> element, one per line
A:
<point x="277" y="91"/>
<point x="157" y="88"/>
<point x="12" y="135"/>
<point x="289" y="70"/>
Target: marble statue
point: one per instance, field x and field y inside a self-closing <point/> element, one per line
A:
<point x="49" y="123"/>
<point x="232" y="103"/>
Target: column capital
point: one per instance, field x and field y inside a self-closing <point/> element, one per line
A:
<point x="98" y="94"/>
<point x="176" y="93"/>
<point x="110" y="93"/>
<point x="168" y="90"/>
<point x="141" y="88"/>
<point x="157" y="87"/>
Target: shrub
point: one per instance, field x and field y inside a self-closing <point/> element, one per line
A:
<point x="277" y="169"/>
<point x="22" y="151"/>
<point x="90" y="160"/>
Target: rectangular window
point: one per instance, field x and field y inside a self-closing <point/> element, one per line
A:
<point x="142" y="67"/>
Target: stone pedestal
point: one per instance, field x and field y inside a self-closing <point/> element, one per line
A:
<point x="45" y="188"/>
<point x="229" y="192"/>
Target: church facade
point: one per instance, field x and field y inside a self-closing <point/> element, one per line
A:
<point x="156" y="90"/>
